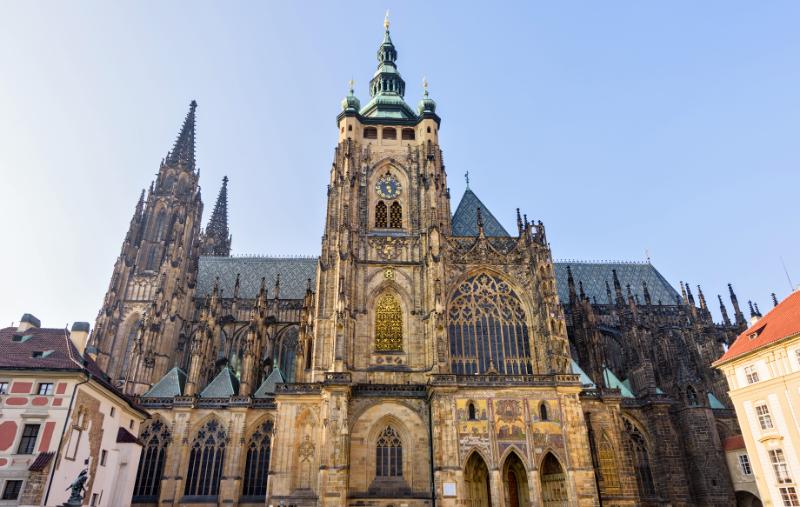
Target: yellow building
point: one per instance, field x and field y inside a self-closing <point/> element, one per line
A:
<point x="763" y="372"/>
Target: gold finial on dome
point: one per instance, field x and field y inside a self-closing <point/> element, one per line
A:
<point x="425" y="85"/>
<point x="351" y="85"/>
<point x="386" y="20"/>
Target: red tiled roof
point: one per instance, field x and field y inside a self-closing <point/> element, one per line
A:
<point x="41" y="461"/>
<point x="781" y="322"/>
<point x="19" y="354"/>
<point x="733" y="443"/>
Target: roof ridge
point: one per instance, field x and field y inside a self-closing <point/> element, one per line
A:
<point x="608" y="261"/>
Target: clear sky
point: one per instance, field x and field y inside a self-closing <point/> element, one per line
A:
<point x="668" y="127"/>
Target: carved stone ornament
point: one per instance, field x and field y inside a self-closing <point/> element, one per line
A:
<point x="388" y="248"/>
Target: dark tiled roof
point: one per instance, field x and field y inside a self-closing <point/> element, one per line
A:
<point x="294" y="272"/>
<point x="41" y="461"/>
<point x="125" y="437"/>
<point x="465" y="219"/>
<point x="19" y="354"/>
<point x="595" y="274"/>
<point x="781" y="322"/>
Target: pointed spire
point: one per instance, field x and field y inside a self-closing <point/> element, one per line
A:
<point x="724" y="311"/>
<point x="617" y="288"/>
<point x="570" y="284"/>
<point x="519" y="222"/>
<point x="608" y="293"/>
<point x="646" y="293"/>
<point x="689" y="294"/>
<point x="480" y="222"/>
<point x="217" y="235"/>
<point x="737" y="312"/>
<point x="752" y="310"/>
<point x="581" y="292"/>
<point x="683" y="293"/>
<point x="758" y="312"/>
<point x="702" y="298"/>
<point x="774" y="299"/>
<point x="183" y="151"/>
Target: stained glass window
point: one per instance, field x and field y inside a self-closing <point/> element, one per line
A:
<point x="487" y="329"/>
<point x="396" y="216"/>
<point x="257" y="465"/>
<point x="389" y="454"/>
<point x="608" y="463"/>
<point x="206" y="458"/>
<point x="381" y="215"/>
<point x="155" y="439"/>
<point x="639" y="455"/>
<point x="388" y="323"/>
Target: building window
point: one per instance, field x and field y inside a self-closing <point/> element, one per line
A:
<point x="751" y="373"/>
<point x="408" y="134"/>
<point x="389" y="133"/>
<point x="471" y="411"/>
<point x="389" y="455"/>
<point x="370" y="133"/>
<point x="797" y="354"/>
<point x="388" y="324"/>
<point x="543" y="411"/>
<point x="381" y="215"/>
<point x="764" y="419"/>
<point x="287" y="353"/>
<point x="11" y="490"/>
<point x="28" y="441"/>
<point x="640" y="459"/>
<point x="396" y="216"/>
<point x="161" y="221"/>
<point x="45" y="389"/>
<point x="744" y="464"/>
<point x="3" y="387"/>
<point x="103" y="457"/>
<point x="112" y="411"/>
<point x="608" y="463"/>
<point x="779" y="466"/>
<point x="155" y="441"/>
<point x="488" y="330"/>
<point x="95" y="498"/>
<point x="206" y="458"/>
<point x="691" y="397"/>
<point x="789" y="496"/>
<point x="257" y="464"/>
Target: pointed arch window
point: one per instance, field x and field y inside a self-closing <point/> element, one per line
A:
<point x="608" y="463"/>
<point x="257" y="464"/>
<point x="638" y="453"/>
<point x="388" y="324"/>
<point x="287" y="352"/>
<point x="206" y="457"/>
<point x="471" y="411"/>
<point x="133" y="331"/>
<point x="396" y="216"/>
<point x="691" y="397"/>
<point x="150" y="264"/>
<point x="381" y="215"/>
<point x="488" y="330"/>
<point x="389" y="455"/>
<point x="155" y="440"/>
<point x="543" y="411"/>
<point x="161" y="221"/>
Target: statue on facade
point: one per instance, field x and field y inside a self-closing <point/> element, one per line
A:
<point x="77" y="487"/>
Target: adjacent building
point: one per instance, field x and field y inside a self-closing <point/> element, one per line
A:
<point x="763" y="371"/>
<point x="58" y="416"/>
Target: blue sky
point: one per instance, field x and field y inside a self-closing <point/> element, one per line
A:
<point x="668" y="127"/>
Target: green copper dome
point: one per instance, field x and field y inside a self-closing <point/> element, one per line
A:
<point x="351" y="102"/>
<point x="427" y="104"/>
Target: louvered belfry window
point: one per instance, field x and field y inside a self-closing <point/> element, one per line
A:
<point x="155" y="439"/>
<point x="388" y="324"/>
<point x="206" y="459"/>
<point x="487" y="329"/>
<point x="257" y="465"/>
<point x="389" y="455"/>
<point x="395" y="216"/>
<point x="381" y="215"/>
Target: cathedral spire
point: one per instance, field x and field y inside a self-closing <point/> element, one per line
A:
<point x="183" y="151"/>
<point x="737" y="312"/>
<point x="724" y="311"/>
<point x="217" y="239"/>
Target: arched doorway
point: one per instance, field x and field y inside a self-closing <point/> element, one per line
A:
<point x="476" y="477"/>
<point x="515" y="482"/>
<point x="554" y="482"/>
<point x="747" y="499"/>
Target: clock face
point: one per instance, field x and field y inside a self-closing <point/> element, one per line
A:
<point x="388" y="187"/>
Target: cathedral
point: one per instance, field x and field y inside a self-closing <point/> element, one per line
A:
<point x="424" y="357"/>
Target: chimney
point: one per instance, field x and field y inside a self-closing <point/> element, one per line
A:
<point x="79" y="334"/>
<point x="28" y="321"/>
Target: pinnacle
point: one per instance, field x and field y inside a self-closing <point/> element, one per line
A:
<point x="183" y="151"/>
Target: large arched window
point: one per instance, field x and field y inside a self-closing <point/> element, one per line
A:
<point x="287" y="352"/>
<point x="388" y="324"/>
<point x="206" y="459"/>
<point x="691" y="397"/>
<point x="133" y="330"/>
<point x="381" y="215"/>
<point x="637" y="449"/>
<point x="395" y="216"/>
<point x="161" y="225"/>
<point x="389" y="455"/>
<point x="155" y="441"/>
<point x="608" y="463"/>
<point x="257" y="465"/>
<point x="487" y="329"/>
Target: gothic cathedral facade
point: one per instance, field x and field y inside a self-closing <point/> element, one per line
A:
<point x="423" y="358"/>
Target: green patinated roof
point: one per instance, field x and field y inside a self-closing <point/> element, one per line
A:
<point x="224" y="385"/>
<point x="169" y="386"/>
<point x="585" y="380"/>
<point x="714" y="402"/>
<point x="614" y="383"/>
<point x="268" y="386"/>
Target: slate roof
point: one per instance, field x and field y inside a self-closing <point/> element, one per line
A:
<point x="585" y="380"/>
<point x="268" y="386"/>
<point x="294" y="272"/>
<point x="224" y="385"/>
<point x="465" y="219"/>
<point x="170" y="385"/>
<point x="595" y="274"/>
<point x="781" y="322"/>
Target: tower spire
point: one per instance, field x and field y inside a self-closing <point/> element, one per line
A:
<point x="217" y="239"/>
<point x="724" y="311"/>
<point x="183" y="151"/>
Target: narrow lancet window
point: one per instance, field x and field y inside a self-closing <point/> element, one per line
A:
<point x="381" y="215"/>
<point x="388" y="324"/>
<point x="396" y="216"/>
